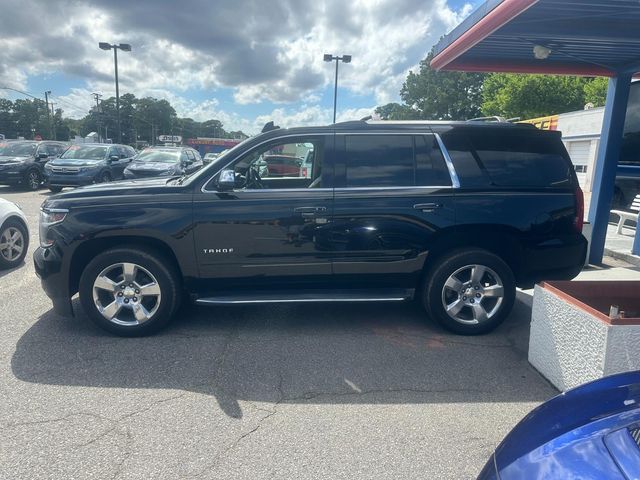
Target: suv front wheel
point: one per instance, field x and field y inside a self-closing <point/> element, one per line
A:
<point x="469" y="292"/>
<point x="129" y="292"/>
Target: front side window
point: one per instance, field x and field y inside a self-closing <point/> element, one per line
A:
<point x="281" y="165"/>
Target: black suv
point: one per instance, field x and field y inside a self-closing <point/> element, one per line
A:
<point x="22" y="162"/>
<point x="454" y="214"/>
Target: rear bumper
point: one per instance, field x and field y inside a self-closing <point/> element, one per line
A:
<point x="49" y="268"/>
<point x="560" y="259"/>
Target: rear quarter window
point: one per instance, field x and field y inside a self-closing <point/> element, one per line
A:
<point x="508" y="158"/>
<point x="532" y="159"/>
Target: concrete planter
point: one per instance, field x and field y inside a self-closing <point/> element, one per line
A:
<point x="574" y="341"/>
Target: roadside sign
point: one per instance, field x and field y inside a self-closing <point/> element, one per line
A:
<point x="170" y="138"/>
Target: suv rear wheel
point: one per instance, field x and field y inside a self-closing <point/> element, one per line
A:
<point x="469" y="292"/>
<point x="129" y="292"/>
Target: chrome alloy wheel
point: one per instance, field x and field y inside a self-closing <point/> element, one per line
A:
<point x="126" y="294"/>
<point x="473" y="294"/>
<point x="11" y="244"/>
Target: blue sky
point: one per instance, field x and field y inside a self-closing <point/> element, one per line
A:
<point x="241" y="61"/>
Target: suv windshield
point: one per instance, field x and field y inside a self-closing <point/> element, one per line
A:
<point x="163" y="156"/>
<point x="85" y="152"/>
<point x="19" y="149"/>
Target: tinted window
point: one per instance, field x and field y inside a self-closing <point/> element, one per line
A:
<point x="379" y="160"/>
<point x="190" y="155"/>
<point x="630" y="153"/>
<point x="464" y="161"/>
<point x="532" y="159"/>
<point x="431" y="170"/>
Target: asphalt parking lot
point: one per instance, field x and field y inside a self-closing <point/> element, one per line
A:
<point x="280" y="391"/>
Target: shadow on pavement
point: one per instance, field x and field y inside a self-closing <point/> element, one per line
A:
<point x="341" y="353"/>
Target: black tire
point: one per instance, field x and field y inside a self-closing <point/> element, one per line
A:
<point x="33" y="179"/>
<point x="55" y="189"/>
<point x="435" y="294"/>
<point x="105" y="177"/>
<point x="154" y="263"/>
<point x="6" y="263"/>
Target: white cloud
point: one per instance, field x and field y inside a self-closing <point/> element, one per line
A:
<point x="262" y="51"/>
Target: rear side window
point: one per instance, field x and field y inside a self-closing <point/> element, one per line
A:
<point x="394" y="161"/>
<point x="379" y="160"/>
<point x="522" y="160"/>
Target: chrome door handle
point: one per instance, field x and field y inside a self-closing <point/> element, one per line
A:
<point x="427" y="207"/>
<point x="309" y="211"/>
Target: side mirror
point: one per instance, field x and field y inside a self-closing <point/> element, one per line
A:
<point x="43" y="155"/>
<point x="114" y="158"/>
<point x="227" y="180"/>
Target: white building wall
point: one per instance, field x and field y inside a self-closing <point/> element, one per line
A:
<point x="581" y="135"/>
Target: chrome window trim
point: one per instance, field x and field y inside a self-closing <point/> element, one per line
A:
<point x="455" y="181"/>
<point x="203" y="190"/>
<point x="410" y="187"/>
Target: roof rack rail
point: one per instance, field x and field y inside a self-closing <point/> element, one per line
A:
<point x="494" y="118"/>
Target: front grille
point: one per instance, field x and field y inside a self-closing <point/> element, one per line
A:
<point x="147" y="173"/>
<point x="635" y="434"/>
<point x="65" y="169"/>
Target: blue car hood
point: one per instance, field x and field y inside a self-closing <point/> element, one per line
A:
<point x="567" y="436"/>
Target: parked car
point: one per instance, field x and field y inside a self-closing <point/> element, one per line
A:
<point x="455" y="214"/>
<point x="592" y="431"/>
<point x="22" y="162"/>
<point x="163" y="162"/>
<point x="282" y="165"/>
<point x="210" y="157"/>
<point x="87" y="163"/>
<point x="14" y="235"/>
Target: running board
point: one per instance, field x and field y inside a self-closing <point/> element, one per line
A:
<point x="375" y="295"/>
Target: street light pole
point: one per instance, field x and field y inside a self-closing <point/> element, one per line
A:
<point x="328" y="57"/>
<point x="125" y="47"/>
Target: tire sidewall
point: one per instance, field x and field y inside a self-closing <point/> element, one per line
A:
<point x="4" y="263"/>
<point x="444" y="267"/>
<point x="166" y="278"/>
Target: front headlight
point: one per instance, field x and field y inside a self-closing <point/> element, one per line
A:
<point x="49" y="217"/>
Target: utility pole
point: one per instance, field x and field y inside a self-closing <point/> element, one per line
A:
<point x="98" y="114"/>
<point x="125" y="47"/>
<point x="46" y="100"/>
<point x="53" y="116"/>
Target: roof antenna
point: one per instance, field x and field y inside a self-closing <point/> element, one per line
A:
<point x="269" y="126"/>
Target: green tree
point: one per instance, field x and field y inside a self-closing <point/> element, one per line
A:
<point x="530" y="96"/>
<point x="397" y="111"/>
<point x="443" y="95"/>
<point x="596" y="91"/>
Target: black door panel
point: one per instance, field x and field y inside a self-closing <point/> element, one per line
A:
<point x="262" y="237"/>
<point x="381" y="238"/>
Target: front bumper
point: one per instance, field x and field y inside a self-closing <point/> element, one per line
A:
<point x="49" y="267"/>
<point x="12" y="174"/>
<point x="53" y="179"/>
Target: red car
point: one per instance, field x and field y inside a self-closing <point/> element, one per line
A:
<point x="283" y="165"/>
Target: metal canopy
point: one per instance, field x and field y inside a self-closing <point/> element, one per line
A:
<point x="591" y="38"/>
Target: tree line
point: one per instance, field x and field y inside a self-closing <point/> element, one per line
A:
<point x="141" y="120"/>
<point x="432" y="95"/>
